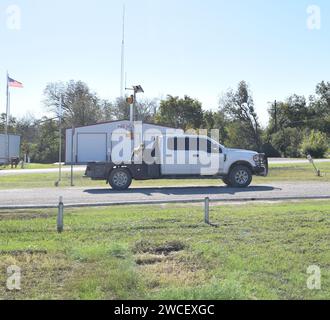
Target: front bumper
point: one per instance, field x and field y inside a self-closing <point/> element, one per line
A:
<point x="262" y="166"/>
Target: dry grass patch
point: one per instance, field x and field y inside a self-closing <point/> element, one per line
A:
<point x="42" y="275"/>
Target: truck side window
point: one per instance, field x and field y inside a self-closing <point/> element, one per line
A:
<point x="211" y="147"/>
<point x="172" y="144"/>
<point x="192" y="144"/>
<point x="205" y="145"/>
<point x="176" y="144"/>
<point x="187" y="147"/>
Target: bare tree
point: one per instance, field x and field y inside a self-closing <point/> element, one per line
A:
<point x="80" y="106"/>
<point x="120" y="110"/>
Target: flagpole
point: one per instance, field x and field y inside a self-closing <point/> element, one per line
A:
<point x="60" y="141"/>
<point x="7" y="120"/>
<point x="122" y="56"/>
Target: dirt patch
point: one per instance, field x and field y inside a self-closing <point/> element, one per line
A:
<point x="159" y="249"/>
<point x="23" y="252"/>
<point x="171" y="272"/>
<point x="169" y="248"/>
<point x="43" y="275"/>
<point x="143" y="260"/>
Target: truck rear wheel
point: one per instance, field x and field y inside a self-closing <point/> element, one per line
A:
<point x="120" y="179"/>
<point x="240" y="176"/>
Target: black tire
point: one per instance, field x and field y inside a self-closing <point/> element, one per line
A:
<point x="240" y="176"/>
<point x="226" y="181"/>
<point x="120" y="179"/>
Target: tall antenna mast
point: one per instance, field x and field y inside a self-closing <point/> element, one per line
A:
<point x="123" y="56"/>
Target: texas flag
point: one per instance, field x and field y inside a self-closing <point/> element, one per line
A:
<point x="14" y="84"/>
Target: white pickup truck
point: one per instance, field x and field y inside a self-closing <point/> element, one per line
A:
<point x="182" y="157"/>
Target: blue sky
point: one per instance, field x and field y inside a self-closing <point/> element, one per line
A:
<point x="195" y="47"/>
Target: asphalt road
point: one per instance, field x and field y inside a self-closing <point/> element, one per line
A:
<point x="97" y="196"/>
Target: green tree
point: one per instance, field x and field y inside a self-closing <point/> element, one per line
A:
<point x="320" y="105"/>
<point x="288" y="142"/>
<point x="46" y="145"/>
<point x="27" y="128"/>
<point x="238" y="107"/>
<point x="209" y="120"/>
<point x="294" y="112"/>
<point x="216" y="120"/>
<point x="183" y="113"/>
<point x="11" y="123"/>
<point x="2" y="122"/>
<point x="235" y="136"/>
<point x="315" y="143"/>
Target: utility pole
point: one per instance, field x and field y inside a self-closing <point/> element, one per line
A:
<point x="134" y="107"/>
<point x="275" y="115"/>
<point x="132" y="101"/>
<point x="131" y="108"/>
<point x="72" y="153"/>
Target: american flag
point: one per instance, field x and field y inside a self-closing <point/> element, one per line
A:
<point x="14" y="84"/>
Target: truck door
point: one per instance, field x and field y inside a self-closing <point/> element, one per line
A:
<point x="174" y="158"/>
<point x="210" y="157"/>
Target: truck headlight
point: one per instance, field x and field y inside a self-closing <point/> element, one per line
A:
<point x="257" y="158"/>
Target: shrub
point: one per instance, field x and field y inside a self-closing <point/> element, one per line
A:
<point x="316" y="144"/>
<point x="288" y="142"/>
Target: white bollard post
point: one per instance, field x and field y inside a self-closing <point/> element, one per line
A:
<point x="311" y="160"/>
<point x="207" y="210"/>
<point x="60" y="216"/>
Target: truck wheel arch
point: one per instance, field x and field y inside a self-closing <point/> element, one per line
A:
<point x="240" y="163"/>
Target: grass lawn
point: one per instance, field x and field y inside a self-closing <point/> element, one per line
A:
<point x="278" y="172"/>
<point x="166" y="252"/>
<point x="32" y="166"/>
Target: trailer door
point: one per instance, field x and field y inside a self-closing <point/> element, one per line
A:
<point x="92" y="147"/>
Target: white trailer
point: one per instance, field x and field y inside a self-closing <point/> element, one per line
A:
<point x="14" y="142"/>
<point x="95" y="143"/>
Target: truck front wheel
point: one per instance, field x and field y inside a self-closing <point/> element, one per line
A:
<point x="226" y="181"/>
<point x="240" y="176"/>
<point x="120" y="179"/>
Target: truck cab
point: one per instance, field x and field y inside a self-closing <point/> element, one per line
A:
<point x="182" y="157"/>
